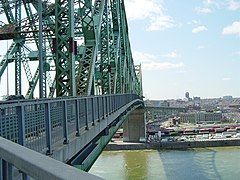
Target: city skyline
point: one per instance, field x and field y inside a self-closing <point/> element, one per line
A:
<point x="186" y="46"/>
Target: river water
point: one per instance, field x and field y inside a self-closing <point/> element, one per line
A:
<point x="204" y="163"/>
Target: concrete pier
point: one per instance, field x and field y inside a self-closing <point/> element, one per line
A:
<point x="134" y="127"/>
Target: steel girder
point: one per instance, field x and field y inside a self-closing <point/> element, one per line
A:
<point x="8" y="57"/>
<point x="99" y="63"/>
<point x="29" y="34"/>
<point x="30" y="25"/>
<point x="138" y="83"/>
<point x="19" y="43"/>
<point x="105" y="67"/>
<point x="6" y="8"/>
<point x="65" y="58"/>
<point x="85" y="78"/>
<point x="115" y="51"/>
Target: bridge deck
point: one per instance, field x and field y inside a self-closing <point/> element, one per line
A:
<point x="62" y="127"/>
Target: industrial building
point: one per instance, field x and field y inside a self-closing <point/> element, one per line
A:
<point x="200" y="117"/>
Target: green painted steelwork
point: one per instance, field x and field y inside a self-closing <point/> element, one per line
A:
<point x="102" y="142"/>
<point x="65" y="58"/>
<point x="18" y="53"/>
<point x="86" y="47"/>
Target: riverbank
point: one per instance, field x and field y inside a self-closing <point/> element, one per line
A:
<point x="119" y="145"/>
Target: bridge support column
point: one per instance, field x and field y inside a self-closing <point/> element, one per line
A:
<point x="134" y="129"/>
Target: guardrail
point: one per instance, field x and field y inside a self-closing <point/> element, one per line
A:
<point x="38" y="124"/>
<point x="28" y="163"/>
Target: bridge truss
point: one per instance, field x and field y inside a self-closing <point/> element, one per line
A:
<point x="83" y="48"/>
<point x="66" y="48"/>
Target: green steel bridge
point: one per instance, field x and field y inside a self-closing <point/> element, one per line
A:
<point x="72" y="62"/>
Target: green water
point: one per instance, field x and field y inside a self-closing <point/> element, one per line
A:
<point x="205" y="163"/>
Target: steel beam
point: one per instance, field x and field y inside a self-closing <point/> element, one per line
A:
<point x="65" y="58"/>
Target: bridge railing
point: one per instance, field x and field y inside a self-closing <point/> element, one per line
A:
<point x="38" y="124"/>
<point x="18" y="162"/>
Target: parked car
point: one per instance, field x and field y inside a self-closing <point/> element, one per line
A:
<point x="171" y="139"/>
<point x="218" y="136"/>
<point x="13" y="97"/>
<point x="237" y="135"/>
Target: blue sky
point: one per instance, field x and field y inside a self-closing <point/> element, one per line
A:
<point x="186" y="45"/>
<point x="183" y="45"/>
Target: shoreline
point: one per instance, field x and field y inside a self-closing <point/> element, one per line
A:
<point x="119" y="145"/>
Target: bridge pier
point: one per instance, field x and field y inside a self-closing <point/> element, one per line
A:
<point x="134" y="127"/>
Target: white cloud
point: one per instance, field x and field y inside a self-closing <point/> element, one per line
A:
<point x="150" y="10"/>
<point x="199" y="29"/>
<point x="209" y="6"/>
<point x="216" y="3"/>
<point x="233" y="29"/>
<point x="194" y="22"/>
<point x="140" y="57"/>
<point x="201" y="47"/>
<point x="142" y="9"/>
<point x="226" y="79"/>
<point x="204" y="10"/>
<point x="181" y="71"/>
<point x="212" y="5"/>
<point x="161" y="23"/>
<point x="173" y="54"/>
<point x="233" y="5"/>
<point x="150" y="62"/>
<point x="162" y="65"/>
<point x="238" y="53"/>
<point x="208" y="2"/>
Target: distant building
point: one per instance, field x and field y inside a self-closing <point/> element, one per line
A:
<point x="157" y="103"/>
<point x="153" y="103"/>
<point x="227" y="97"/>
<point x="187" y="117"/>
<point x="202" y="116"/>
<point x="196" y="98"/>
<point x="187" y="95"/>
<point x="165" y="104"/>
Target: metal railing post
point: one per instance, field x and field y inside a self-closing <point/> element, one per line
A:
<point x="103" y="107"/>
<point x="4" y="170"/>
<point x="106" y="104"/>
<point x="98" y="107"/>
<point x="21" y="125"/>
<point x="48" y="128"/>
<point x="77" y="118"/>
<point x="111" y="104"/>
<point x="21" y="134"/>
<point x="120" y="99"/>
<point x="86" y="110"/>
<point x="116" y="102"/>
<point x="65" y="125"/>
<point x="93" y="111"/>
<point x="10" y="171"/>
<point x="1" y="169"/>
<point x="25" y="177"/>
